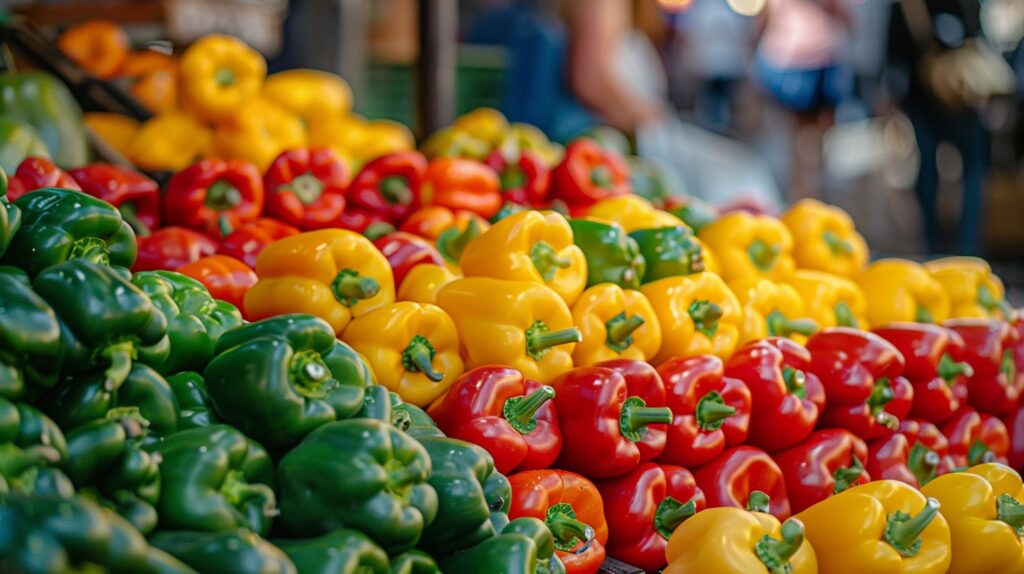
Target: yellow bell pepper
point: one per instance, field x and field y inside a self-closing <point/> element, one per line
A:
<point x="413" y="349"/>
<point x="771" y="309"/>
<point x="616" y="323"/>
<point x="972" y="288"/>
<point x="698" y="314"/>
<point x="883" y="527"/>
<point x="170" y="141"/>
<point x="382" y="137"/>
<point x="423" y="281"/>
<point x="824" y="238"/>
<point x="633" y="212"/>
<point x="258" y="132"/>
<point x="830" y="300"/>
<point x="117" y="130"/>
<point x="529" y="246"/>
<point x="452" y="142"/>
<point x="902" y="291"/>
<point x="528" y="137"/>
<point x="334" y="274"/>
<point x="519" y="324"/>
<point x="353" y="137"/>
<point x="485" y="124"/>
<point x="218" y="74"/>
<point x="748" y="245"/>
<point x="728" y="540"/>
<point x="310" y="94"/>
<point x="986" y="518"/>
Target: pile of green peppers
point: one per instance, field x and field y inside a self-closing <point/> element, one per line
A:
<point x="145" y="427"/>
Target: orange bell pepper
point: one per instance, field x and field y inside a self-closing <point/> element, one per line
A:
<point x="157" y="91"/>
<point x="116" y="130"/>
<point x="144" y="62"/>
<point x="224" y="276"/>
<point x="100" y="47"/>
<point x="458" y="183"/>
<point x="431" y="221"/>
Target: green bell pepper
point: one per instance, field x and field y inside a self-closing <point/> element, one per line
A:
<point x="381" y="404"/>
<point x="525" y="546"/>
<point x="194" y="406"/>
<point x="669" y="251"/>
<point x="31" y="352"/>
<point x="236" y="551"/>
<point x="612" y="255"/>
<point x="29" y="440"/>
<point x="106" y="322"/>
<point x="469" y="491"/>
<point x="338" y="552"/>
<point x="20" y="141"/>
<point x="214" y="480"/>
<point x="195" y="320"/>
<point x="414" y="562"/>
<point x="694" y="212"/>
<point x="360" y="473"/>
<point x="278" y="379"/>
<point x="10" y="215"/>
<point x="62" y="224"/>
<point x="44" y="102"/>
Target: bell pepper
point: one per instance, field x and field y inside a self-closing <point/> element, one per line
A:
<point x="825" y="239"/>
<point x="405" y="251"/>
<point x="371" y="477"/>
<point x="171" y="248"/>
<point x="994" y="384"/>
<point x="458" y="183"/>
<point x="214" y="196"/>
<point x="30" y="336"/>
<point x="669" y="252"/>
<point x="976" y="438"/>
<point x="334" y="274"/>
<point x="194" y="404"/>
<point x="238" y="551"/>
<point x="525" y="176"/>
<point x="939" y="380"/>
<point x="226" y="278"/>
<point x="116" y="130"/>
<point x="890" y="458"/>
<point x="646" y="506"/>
<point x="830" y="300"/>
<point x="744" y="477"/>
<point x="20" y="142"/>
<point x="511" y="417"/>
<point x="884" y="525"/>
<point x="10" y="216"/>
<point x="974" y="291"/>
<point x="524" y="546"/>
<point x="136" y="196"/>
<point x="698" y="314"/>
<point x="860" y="373"/>
<point x="30" y="442"/>
<point x="531" y="138"/>
<point x="982" y="506"/>
<point x="617" y="409"/>
<point x="611" y="255"/>
<point x="450" y="142"/>
<point x="826" y="463"/>
<point x="929" y="450"/>
<point x="695" y="213"/>
<point x="423" y="282"/>
<point x="247" y="241"/>
<point x="734" y="541"/>
<point x="60" y="224"/>
<point x="171" y="140"/>
<point x="522" y="325"/>
<point x="486" y="124"/>
<point x="750" y="245"/>
<point x="771" y="309"/>
<point x="529" y="246"/>
<point x="306" y="187"/>
<point x="342" y="551"/>
<point x="36" y="173"/>
<point x="633" y="213"/>
<point x="43" y="102"/>
<point x="100" y="47"/>
<point x="902" y="291"/>
<point x="389" y="184"/>
<point x="313" y="95"/>
<point x="360" y="139"/>
<point x="157" y="91"/>
<point x="571" y="507"/>
<point x="259" y="131"/>
<point x="431" y="221"/>
<point x="296" y="377"/>
<point x="614" y="323"/>
<point x="589" y="173"/>
<point x="452" y="242"/>
<point x="218" y="74"/>
<point x="710" y="411"/>
<point x="1015" y="428"/>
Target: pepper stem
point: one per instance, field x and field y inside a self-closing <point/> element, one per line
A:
<point x="307" y="187"/>
<point x="620" y="331"/>
<point x="705" y="316"/>
<point x="844" y="315"/>
<point x="979" y="453"/>
<point x="670" y="514"/>
<point x="881" y="394"/>
<point x="120" y="356"/>
<point x="988" y="300"/>
<point x="224" y="77"/>
<point x="418" y="356"/>
<point x="566" y="528"/>
<point x="547" y="261"/>
<point x="903" y="531"/>
<point x="923" y="315"/>
<point x="762" y="254"/>
<point x="539" y="339"/>
<point x="796" y="381"/>
<point x="512" y="177"/>
<point x="91" y="249"/>
<point x="780" y="326"/>
<point x="759" y="501"/>
<point x="130" y="215"/>
<point x="452" y="242"/>
<point x="310" y="375"/>
<point x="378" y="229"/>
<point x="712" y="411"/>
<point x="846" y="476"/>
<point x="1008" y="368"/>
<point x="395" y="190"/>
<point x="601" y="176"/>
<point x="837" y="245"/>
<point x="1010" y="511"/>
<point x="222" y="196"/>
<point x="636" y="415"/>
<point x="521" y="412"/>
<point x="349" y="287"/>
<point x="775" y="553"/>
<point x="949" y="369"/>
<point x="922" y="462"/>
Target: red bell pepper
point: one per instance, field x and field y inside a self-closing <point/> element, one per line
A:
<point x="37" y="172"/>
<point x="405" y="251"/>
<point x="571" y="507"/>
<point x="929" y="450"/>
<point x="710" y="411"/>
<point x="171" y="247"/>
<point x="995" y="386"/>
<point x="246" y="242"/>
<point x="214" y="196"/>
<point x="589" y="173"/>
<point x="369" y="223"/>
<point x="889" y="459"/>
<point x="510" y="417"/>
<point x="224" y="276"/>
<point x="644" y="507"/>
<point x="306" y="187"/>
<point x="1015" y="427"/>
<point x="786" y="398"/>
<point x="458" y="183"/>
<point x="389" y="184"/>
<point x="745" y="477"/>
<point x="975" y="438"/>
<point x="135" y="195"/>
<point x="612" y="416"/>
<point x="826" y="463"/>
<point x="524" y="180"/>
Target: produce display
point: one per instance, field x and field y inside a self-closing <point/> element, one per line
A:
<point x="491" y="355"/>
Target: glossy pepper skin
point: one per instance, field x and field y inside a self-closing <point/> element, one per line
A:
<point x="571" y="507"/>
<point x="45" y="103"/>
<point x="826" y="463"/>
<point x="589" y="173"/>
<point x="305" y="187"/>
<point x="238" y="551"/>
<point x="890" y="458"/>
<point x="974" y="291"/>
<point x="422" y="283"/>
<point x="136" y="196"/>
<point x="414" y="349"/>
<point x="525" y="546"/>
<point x="787" y="397"/>
<point x="615" y="323"/>
<point x="825" y="239"/>
<point x="214" y="196"/>
<point x="994" y="385"/>
<point x="171" y="248"/>
<point x="342" y="551"/>
<point x="10" y="215"/>
<point x="745" y="477"/>
<point x="405" y="251"/>
<point x="1015" y="427"/>
<point x="735" y="541"/>
<point x="669" y="252"/>
<point x="389" y="184"/>
<point x="612" y="415"/>
<point x="31" y="338"/>
<point x="612" y="256"/>
<point x="750" y="245"/>
<point x="976" y="438"/>
<point x="334" y="274"/>
<point x="32" y="446"/>
<point x="378" y="485"/>
<point x="522" y="325"/>
<point x="830" y="300"/>
<point x="225" y="277"/>
<point x="698" y="313"/>
<point x="524" y="175"/>
<point x="771" y="309"/>
<point x="646" y="506"/>
<point x="882" y="526"/>
<point x="513" y="418"/>
<point x="902" y="291"/>
<point x="431" y="221"/>
<point x="458" y="183"/>
<point x="59" y="224"/>
<point x="529" y="246"/>
<point x="633" y="213"/>
<point x="219" y="73"/>
<point x="247" y="241"/>
<point x="280" y="378"/>
<point x="37" y="172"/>
<point x="194" y="404"/>
<point x="709" y="410"/>
<point x="928" y="454"/>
